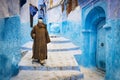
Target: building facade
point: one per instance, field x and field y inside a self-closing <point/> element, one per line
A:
<point x="98" y="35"/>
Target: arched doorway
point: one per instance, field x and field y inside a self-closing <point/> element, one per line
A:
<point x="100" y="43"/>
<point x="95" y="37"/>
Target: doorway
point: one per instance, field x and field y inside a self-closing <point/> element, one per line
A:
<point x="100" y="46"/>
<point x="94" y="45"/>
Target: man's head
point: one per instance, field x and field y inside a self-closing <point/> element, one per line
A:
<point x="40" y="20"/>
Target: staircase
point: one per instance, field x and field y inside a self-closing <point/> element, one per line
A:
<point x="60" y="65"/>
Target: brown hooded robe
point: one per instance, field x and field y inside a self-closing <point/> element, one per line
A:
<point x="41" y="38"/>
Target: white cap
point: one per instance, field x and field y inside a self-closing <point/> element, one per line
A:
<point x="40" y="20"/>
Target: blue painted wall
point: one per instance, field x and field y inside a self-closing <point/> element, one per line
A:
<point x="10" y="37"/>
<point x="113" y="49"/>
<point x="84" y="33"/>
<point x="110" y="17"/>
<point x="113" y="40"/>
<point x="72" y="30"/>
<point x="93" y="16"/>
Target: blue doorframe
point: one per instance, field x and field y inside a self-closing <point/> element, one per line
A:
<point x="94" y="20"/>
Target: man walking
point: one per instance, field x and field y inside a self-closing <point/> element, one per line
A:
<point x="40" y="36"/>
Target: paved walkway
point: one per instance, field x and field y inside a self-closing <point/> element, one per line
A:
<point x="60" y="65"/>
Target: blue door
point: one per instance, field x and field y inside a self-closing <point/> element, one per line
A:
<point x="100" y="54"/>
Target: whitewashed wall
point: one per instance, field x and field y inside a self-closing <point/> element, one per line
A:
<point x="75" y="15"/>
<point x="54" y="15"/>
<point x="24" y="11"/>
<point x="9" y="8"/>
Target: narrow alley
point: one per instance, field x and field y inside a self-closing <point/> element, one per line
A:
<point x="77" y="39"/>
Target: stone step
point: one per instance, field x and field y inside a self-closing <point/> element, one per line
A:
<point x="58" y="66"/>
<point x="54" y="60"/>
<point x="56" y="43"/>
<point x="58" y="48"/>
<point x="47" y="68"/>
<point x="53" y="47"/>
<point x="58" y="38"/>
<point x="73" y="52"/>
<point x="48" y="75"/>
